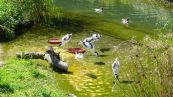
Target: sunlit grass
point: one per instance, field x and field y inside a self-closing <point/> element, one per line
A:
<point x="25" y="78"/>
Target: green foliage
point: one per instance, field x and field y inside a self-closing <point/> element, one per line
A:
<point x="14" y="12"/>
<point x="37" y="74"/>
<point x="151" y="69"/>
<point x="5" y="88"/>
<point x="21" y="78"/>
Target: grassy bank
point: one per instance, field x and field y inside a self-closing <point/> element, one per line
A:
<point x="25" y="78"/>
<point x="31" y="78"/>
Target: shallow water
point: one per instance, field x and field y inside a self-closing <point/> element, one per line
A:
<point x="89" y="77"/>
<point x="144" y="14"/>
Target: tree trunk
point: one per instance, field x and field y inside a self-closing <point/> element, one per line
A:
<point x="52" y="58"/>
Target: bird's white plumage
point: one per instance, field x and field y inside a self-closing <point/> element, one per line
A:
<point x="88" y="39"/>
<point x="92" y="38"/>
<point x="98" y="10"/>
<point x="78" y="56"/>
<point x="115" y="66"/>
<point x="96" y="37"/>
<point x="125" y="21"/>
<point x="66" y="38"/>
<point x="88" y="46"/>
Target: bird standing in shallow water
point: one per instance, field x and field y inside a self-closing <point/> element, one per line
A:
<point x="115" y="67"/>
<point x="125" y="21"/>
<point x="98" y="10"/>
<point x="65" y="39"/>
<point x="89" y="46"/>
<point x="88" y="39"/>
<point x="96" y="37"/>
<point x="92" y="38"/>
<point x="78" y="55"/>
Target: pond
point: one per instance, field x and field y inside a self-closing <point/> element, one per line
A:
<point x="144" y="14"/>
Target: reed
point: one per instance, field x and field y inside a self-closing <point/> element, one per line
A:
<point x="150" y="66"/>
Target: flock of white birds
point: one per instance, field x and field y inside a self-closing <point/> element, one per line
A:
<point x="88" y="44"/>
<point x="124" y="21"/>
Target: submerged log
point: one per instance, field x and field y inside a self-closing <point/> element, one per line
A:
<point x="50" y="56"/>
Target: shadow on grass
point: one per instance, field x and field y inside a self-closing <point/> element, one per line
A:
<point x="37" y="74"/>
<point x="105" y="50"/>
<point x="99" y="63"/>
<point x="46" y="95"/>
<point x="126" y="81"/>
<point x="5" y="88"/>
<point x="60" y="71"/>
<point x="103" y="55"/>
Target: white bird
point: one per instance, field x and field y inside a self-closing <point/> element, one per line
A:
<point x="88" y="39"/>
<point x="96" y="37"/>
<point x="71" y="95"/>
<point x="89" y="46"/>
<point x="92" y="38"/>
<point x="78" y="55"/>
<point x="65" y="39"/>
<point x="98" y="10"/>
<point x="125" y="21"/>
<point x="115" y="67"/>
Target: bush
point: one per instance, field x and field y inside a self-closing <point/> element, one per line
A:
<point x="20" y="12"/>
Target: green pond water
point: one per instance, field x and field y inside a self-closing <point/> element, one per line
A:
<point x="143" y="14"/>
<point x="92" y="76"/>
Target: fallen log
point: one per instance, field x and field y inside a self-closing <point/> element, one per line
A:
<point x="50" y="56"/>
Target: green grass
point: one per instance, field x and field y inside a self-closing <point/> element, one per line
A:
<point x="25" y="78"/>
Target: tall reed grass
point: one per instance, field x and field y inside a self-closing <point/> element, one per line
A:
<point x="150" y="66"/>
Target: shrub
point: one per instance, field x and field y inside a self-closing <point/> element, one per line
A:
<point x="20" y="12"/>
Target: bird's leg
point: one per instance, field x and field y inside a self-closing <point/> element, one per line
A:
<point x="116" y="75"/>
<point x="95" y="53"/>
